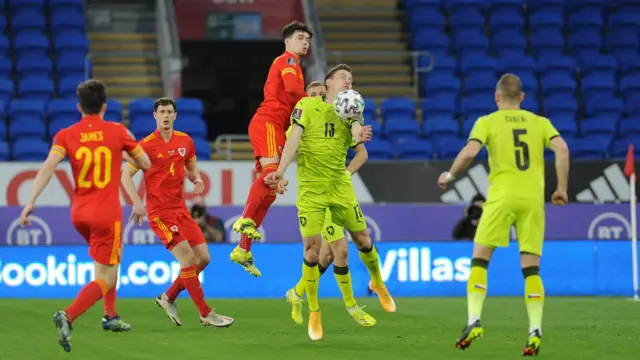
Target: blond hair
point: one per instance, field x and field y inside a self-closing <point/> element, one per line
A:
<point x="510" y="88"/>
<point x="314" y="84"/>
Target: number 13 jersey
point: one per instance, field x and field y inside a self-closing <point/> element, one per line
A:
<point x="165" y="178"/>
<point x="515" y="140"/>
<point x="94" y="148"/>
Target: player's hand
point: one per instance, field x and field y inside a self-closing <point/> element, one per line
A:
<point x="138" y="213"/>
<point x="444" y="179"/>
<point x="272" y="179"/>
<point x="198" y="186"/>
<point x="559" y="198"/>
<point x="24" y="216"/>
<point x="282" y="186"/>
<point x="366" y="134"/>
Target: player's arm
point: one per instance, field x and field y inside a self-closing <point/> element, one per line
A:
<point x="299" y="120"/>
<point x="361" y="157"/>
<point x="134" y="153"/>
<point x="128" y="184"/>
<point x="359" y="132"/>
<point x="289" y="74"/>
<point x="477" y="139"/>
<point x="56" y="155"/>
<point x="556" y="143"/>
<point x="193" y="172"/>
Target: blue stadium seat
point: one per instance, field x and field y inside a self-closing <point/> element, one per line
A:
<point x="401" y="129"/>
<point x="558" y="85"/>
<point x="379" y="149"/>
<point x="590" y="6"/>
<point x="4" y="45"/>
<point x="140" y="108"/>
<point x="558" y="106"/>
<point x="505" y="5"/>
<point x="3" y="110"/>
<point x="63" y="109"/>
<point x="3" y="131"/>
<point x="28" y="23"/>
<point x="441" y="85"/>
<point x="567" y="127"/>
<point x="630" y="84"/>
<point x="627" y="22"/>
<point x="442" y="65"/>
<point x="67" y="22"/>
<point x="439" y="106"/>
<point x="67" y="5"/>
<point x="530" y="103"/>
<point x="376" y="128"/>
<point x="3" y="21"/>
<point x="195" y="107"/>
<point x="593" y="147"/>
<point x="518" y="65"/>
<point x="203" y="149"/>
<point x="415" y="149"/>
<point x="632" y="104"/>
<point x="598" y="126"/>
<point x="631" y="65"/>
<point x="393" y="109"/>
<point x="470" y="43"/>
<point x="584" y="20"/>
<point x="6" y="67"/>
<point x="620" y="147"/>
<point x="585" y="42"/>
<point x="370" y="108"/>
<point x="477" y="65"/>
<point x="463" y="5"/>
<point x="599" y="65"/>
<point x="542" y="21"/>
<point x="552" y="6"/>
<point x="529" y="85"/>
<point x="71" y="66"/>
<point x="432" y="40"/>
<point x="508" y="20"/>
<point x="34" y="67"/>
<point x="556" y="65"/>
<point x="59" y="124"/>
<point x="31" y="44"/>
<point x="467" y="125"/>
<point x="27" y="129"/>
<point x="4" y="151"/>
<point x="143" y="126"/>
<point x="194" y="126"/>
<point x="479" y="84"/>
<point x="24" y="110"/>
<point x="629" y="127"/>
<point x="448" y="148"/>
<point x="426" y="19"/>
<point x="440" y="127"/>
<point x="19" y="6"/>
<point x="36" y="89"/>
<point x="547" y="42"/>
<point x="460" y="20"/>
<point x="67" y="44"/>
<point x="622" y="43"/>
<point x="6" y="90"/>
<point x="596" y="86"/>
<point x="30" y="150"/>
<point x="481" y="103"/>
<point x="604" y="106"/>
<point x="509" y="43"/>
<point x="114" y="111"/>
<point x="67" y="86"/>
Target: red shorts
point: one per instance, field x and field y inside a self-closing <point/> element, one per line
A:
<point x="267" y="138"/>
<point x="104" y="239"/>
<point x="175" y="228"/>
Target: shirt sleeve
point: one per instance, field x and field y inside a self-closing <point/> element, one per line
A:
<point x="299" y="115"/>
<point x="549" y="131"/>
<point x="287" y="66"/>
<point x="130" y="145"/>
<point x="59" y="144"/>
<point x="191" y="151"/>
<point x="141" y="150"/>
<point x="479" y="132"/>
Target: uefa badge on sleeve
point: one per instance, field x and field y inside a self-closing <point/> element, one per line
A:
<point x="291" y="61"/>
<point x="297" y="113"/>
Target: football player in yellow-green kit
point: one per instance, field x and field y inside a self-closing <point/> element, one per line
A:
<point x="515" y="140"/>
<point x="321" y="140"/>
<point x="334" y="238"/>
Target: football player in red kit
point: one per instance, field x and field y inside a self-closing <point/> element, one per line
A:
<point x="282" y="91"/>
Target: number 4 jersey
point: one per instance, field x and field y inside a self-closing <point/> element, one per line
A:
<point x="94" y="148"/>
<point x="516" y="140"/>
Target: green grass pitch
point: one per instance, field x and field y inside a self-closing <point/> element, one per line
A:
<point x="423" y="328"/>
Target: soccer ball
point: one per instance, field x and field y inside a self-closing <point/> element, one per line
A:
<point x="348" y="104"/>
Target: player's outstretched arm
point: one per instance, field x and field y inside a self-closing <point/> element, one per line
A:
<point x="193" y="174"/>
<point x="462" y="161"/>
<point x="290" y="148"/>
<point x="40" y="182"/>
<point x="360" y="132"/>
<point x="561" y="151"/>
<point x="361" y="157"/>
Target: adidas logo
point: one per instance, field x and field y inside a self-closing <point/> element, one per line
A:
<point x="465" y="188"/>
<point x="610" y="187"/>
<point x="160" y="156"/>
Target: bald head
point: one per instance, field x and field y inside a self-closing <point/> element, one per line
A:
<point x="509" y="90"/>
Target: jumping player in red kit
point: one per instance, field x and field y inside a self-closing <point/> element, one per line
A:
<point x="95" y="151"/>
<point x="282" y="91"/>
<point x="170" y="152"/>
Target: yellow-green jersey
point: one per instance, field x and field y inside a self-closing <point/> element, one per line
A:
<point x="324" y="144"/>
<point x="516" y="140"/>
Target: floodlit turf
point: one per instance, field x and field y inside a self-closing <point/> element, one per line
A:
<point x="423" y="328"/>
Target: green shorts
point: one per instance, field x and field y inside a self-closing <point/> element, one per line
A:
<point x="338" y="198"/>
<point x="498" y="216"/>
<point x="330" y="231"/>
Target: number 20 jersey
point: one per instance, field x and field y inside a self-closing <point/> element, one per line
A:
<point x="516" y="140"/>
<point x="94" y="148"/>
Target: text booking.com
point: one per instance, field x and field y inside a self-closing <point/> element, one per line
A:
<point x="54" y="271"/>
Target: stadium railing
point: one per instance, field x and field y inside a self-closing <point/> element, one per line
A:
<point x="318" y="67"/>
<point x="169" y="49"/>
<point x="232" y="147"/>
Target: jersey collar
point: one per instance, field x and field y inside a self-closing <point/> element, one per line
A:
<point x="92" y="118"/>
<point x="288" y="53"/>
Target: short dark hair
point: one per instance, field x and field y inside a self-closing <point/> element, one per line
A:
<point x="164" y="101"/>
<point x="314" y="84"/>
<point x="294" y="26"/>
<point x="335" y="69"/>
<point x="92" y="94"/>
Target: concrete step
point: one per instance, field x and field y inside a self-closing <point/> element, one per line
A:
<point x="359" y="14"/>
<point x="367" y="58"/>
<point x="122" y="37"/>
<point x="137" y="47"/>
<point x="385" y="91"/>
<point x="132" y="80"/>
<point x="333" y="36"/>
<point x="372" y="46"/>
<point x="361" y="26"/>
<point x="386" y="80"/>
<point x="115" y="59"/>
<point x="132" y="69"/>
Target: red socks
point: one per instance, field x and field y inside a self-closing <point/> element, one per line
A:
<point x="176" y="288"/>
<point x="88" y="295"/>
<point x="192" y="284"/>
<point x="260" y="198"/>
<point x="109" y="300"/>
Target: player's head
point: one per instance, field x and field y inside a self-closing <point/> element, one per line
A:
<point x="316" y="88"/>
<point x="92" y="97"/>
<point x="164" y="111"/>
<point x="338" y="78"/>
<point x="297" y="37"/>
<point x="509" y="91"/>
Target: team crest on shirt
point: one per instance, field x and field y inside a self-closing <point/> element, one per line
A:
<point x="174" y="228"/>
<point x="182" y="151"/>
<point x="291" y="61"/>
<point x="297" y="113"/>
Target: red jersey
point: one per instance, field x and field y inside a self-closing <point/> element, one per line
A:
<point x="283" y="89"/>
<point x="165" y="178"/>
<point x="94" y="148"/>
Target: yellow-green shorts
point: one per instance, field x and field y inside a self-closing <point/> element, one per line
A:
<point x="330" y="231"/>
<point x="498" y="216"/>
<point x="338" y="199"/>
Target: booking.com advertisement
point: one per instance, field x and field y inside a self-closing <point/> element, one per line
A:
<point x="589" y="267"/>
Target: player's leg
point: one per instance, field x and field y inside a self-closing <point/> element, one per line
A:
<point x="311" y="229"/>
<point x="111" y="320"/>
<point x="493" y="231"/>
<point x="244" y="257"/>
<point x="530" y="224"/>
